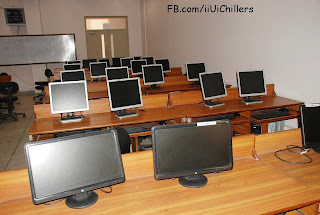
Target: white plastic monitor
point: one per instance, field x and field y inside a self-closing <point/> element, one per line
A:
<point x="150" y="59"/>
<point x="98" y="69"/>
<point x="74" y="66"/>
<point x="73" y="75"/>
<point x="165" y="64"/>
<point x="251" y="83"/>
<point x="194" y="69"/>
<point x="152" y="74"/>
<point x="212" y="85"/>
<point x="74" y="61"/>
<point x="117" y="73"/>
<point x="126" y="61"/>
<point x="136" y="66"/>
<point x="68" y="97"/>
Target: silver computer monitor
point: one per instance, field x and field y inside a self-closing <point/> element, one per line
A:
<point x="136" y="66"/>
<point x="126" y="61"/>
<point x="98" y="69"/>
<point x="73" y="75"/>
<point x="153" y="75"/>
<point x="117" y="73"/>
<point x="86" y="62"/>
<point x="194" y="69"/>
<point x="74" y="66"/>
<point x="74" y="61"/>
<point x="165" y="64"/>
<point x="149" y="59"/>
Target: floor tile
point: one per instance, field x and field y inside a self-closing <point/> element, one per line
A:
<point x="16" y="164"/>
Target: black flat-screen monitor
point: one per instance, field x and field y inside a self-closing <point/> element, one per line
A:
<point x="73" y="75"/>
<point x="117" y="73"/>
<point x="310" y="118"/>
<point x="74" y="61"/>
<point x="186" y="151"/>
<point x="126" y="61"/>
<point x="165" y="64"/>
<point x="251" y="83"/>
<point x="124" y="94"/>
<point x="116" y="62"/>
<point x="68" y="97"/>
<point x="152" y="75"/>
<point x="148" y="59"/>
<point x="73" y="167"/>
<point x="137" y="58"/>
<point x="98" y="69"/>
<point x="86" y="62"/>
<point x="106" y="60"/>
<point x="74" y="66"/>
<point x="212" y="87"/>
<point x="193" y="70"/>
<point x="136" y="66"/>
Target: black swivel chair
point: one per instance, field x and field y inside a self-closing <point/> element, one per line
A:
<point x="124" y="140"/>
<point x="41" y="84"/>
<point x="8" y="89"/>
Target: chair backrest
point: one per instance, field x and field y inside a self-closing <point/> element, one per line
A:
<point x="124" y="140"/>
<point x="48" y="73"/>
<point x="4" y="73"/>
<point x="9" y="88"/>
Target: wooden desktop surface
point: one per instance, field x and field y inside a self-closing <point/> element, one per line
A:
<point x="252" y="187"/>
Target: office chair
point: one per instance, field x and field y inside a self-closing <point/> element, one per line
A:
<point x="124" y="140"/>
<point x="9" y="88"/>
<point x="40" y="86"/>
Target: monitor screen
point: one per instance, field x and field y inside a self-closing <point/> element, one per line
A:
<point x="74" y="66"/>
<point x="73" y="62"/>
<point x="136" y="66"/>
<point x="116" y="62"/>
<point x="98" y="69"/>
<point x="192" y="149"/>
<point x="193" y="70"/>
<point x="124" y="93"/>
<point x="310" y="118"/>
<point x="137" y="58"/>
<point x="106" y="60"/>
<point x="251" y="83"/>
<point x="126" y="61"/>
<point x="117" y="73"/>
<point x="165" y="64"/>
<point x="73" y="75"/>
<point x="212" y="85"/>
<point x="66" y="97"/>
<point x="86" y="63"/>
<point x="149" y="60"/>
<point x="152" y="74"/>
<point x="77" y="164"/>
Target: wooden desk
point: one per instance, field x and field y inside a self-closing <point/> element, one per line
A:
<point x="5" y="78"/>
<point x="252" y="187"/>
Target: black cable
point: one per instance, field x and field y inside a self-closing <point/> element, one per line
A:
<point x="53" y="203"/>
<point x="107" y="191"/>
<point x="302" y="152"/>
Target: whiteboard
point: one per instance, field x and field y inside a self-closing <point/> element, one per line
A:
<point x="36" y="49"/>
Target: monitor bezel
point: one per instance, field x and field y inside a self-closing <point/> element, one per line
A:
<point x="89" y="62"/>
<point x="145" y="58"/>
<point x="78" y="70"/>
<point x="165" y="71"/>
<point x="40" y="200"/>
<point x="125" y="107"/>
<point x="72" y="64"/>
<point x="159" y="176"/>
<point x="202" y="87"/>
<point x="78" y="62"/>
<point x="305" y="144"/>
<point x="251" y="94"/>
<point x="114" y="68"/>
<point x="106" y="60"/>
<point x="98" y="76"/>
<point x="116" y="59"/>
<point x="126" y="58"/>
<point x="70" y="110"/>
<point x="138" y="73"/>
<point x="152" y="83"/>
<point x="194" y="79"/>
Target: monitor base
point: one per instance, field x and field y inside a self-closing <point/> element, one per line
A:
<point x="248" y="100"/>
<point x="82" y="200"/>
<point x="71" y="118"/>
<point x="195" y="83"/>
<point x="211" y="104"/>
<point x="193" y="181"/>
<point x="316" y="149"/>
<point x="98" y="80"/>
<point x="125" y="114"/>
<point x="153" y="87"/>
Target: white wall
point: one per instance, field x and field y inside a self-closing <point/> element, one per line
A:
<point x="281" y="37"/>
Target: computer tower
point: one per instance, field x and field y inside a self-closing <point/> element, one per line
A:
<point x="256" y="128"/>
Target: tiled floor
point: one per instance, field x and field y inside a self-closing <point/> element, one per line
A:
<point x="13" y="134"/>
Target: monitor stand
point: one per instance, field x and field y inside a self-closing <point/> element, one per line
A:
<point x="193" y="181"/>
<point x="71" y="117"/>
<point x="124" y="114"/>
<point x="153" y="87"/>
<point x="248" y="100"/>
<point x="195" y="83"/>
<point x="211" y="104"/>
<point x="82" y="200"/>
<point x="316" y="149"/>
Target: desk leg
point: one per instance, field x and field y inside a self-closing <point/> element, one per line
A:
<point x="134" y="143"/>
<point x="264" y="127"/>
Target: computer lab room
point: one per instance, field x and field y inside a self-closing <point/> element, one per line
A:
<point x="159" y="107"/>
